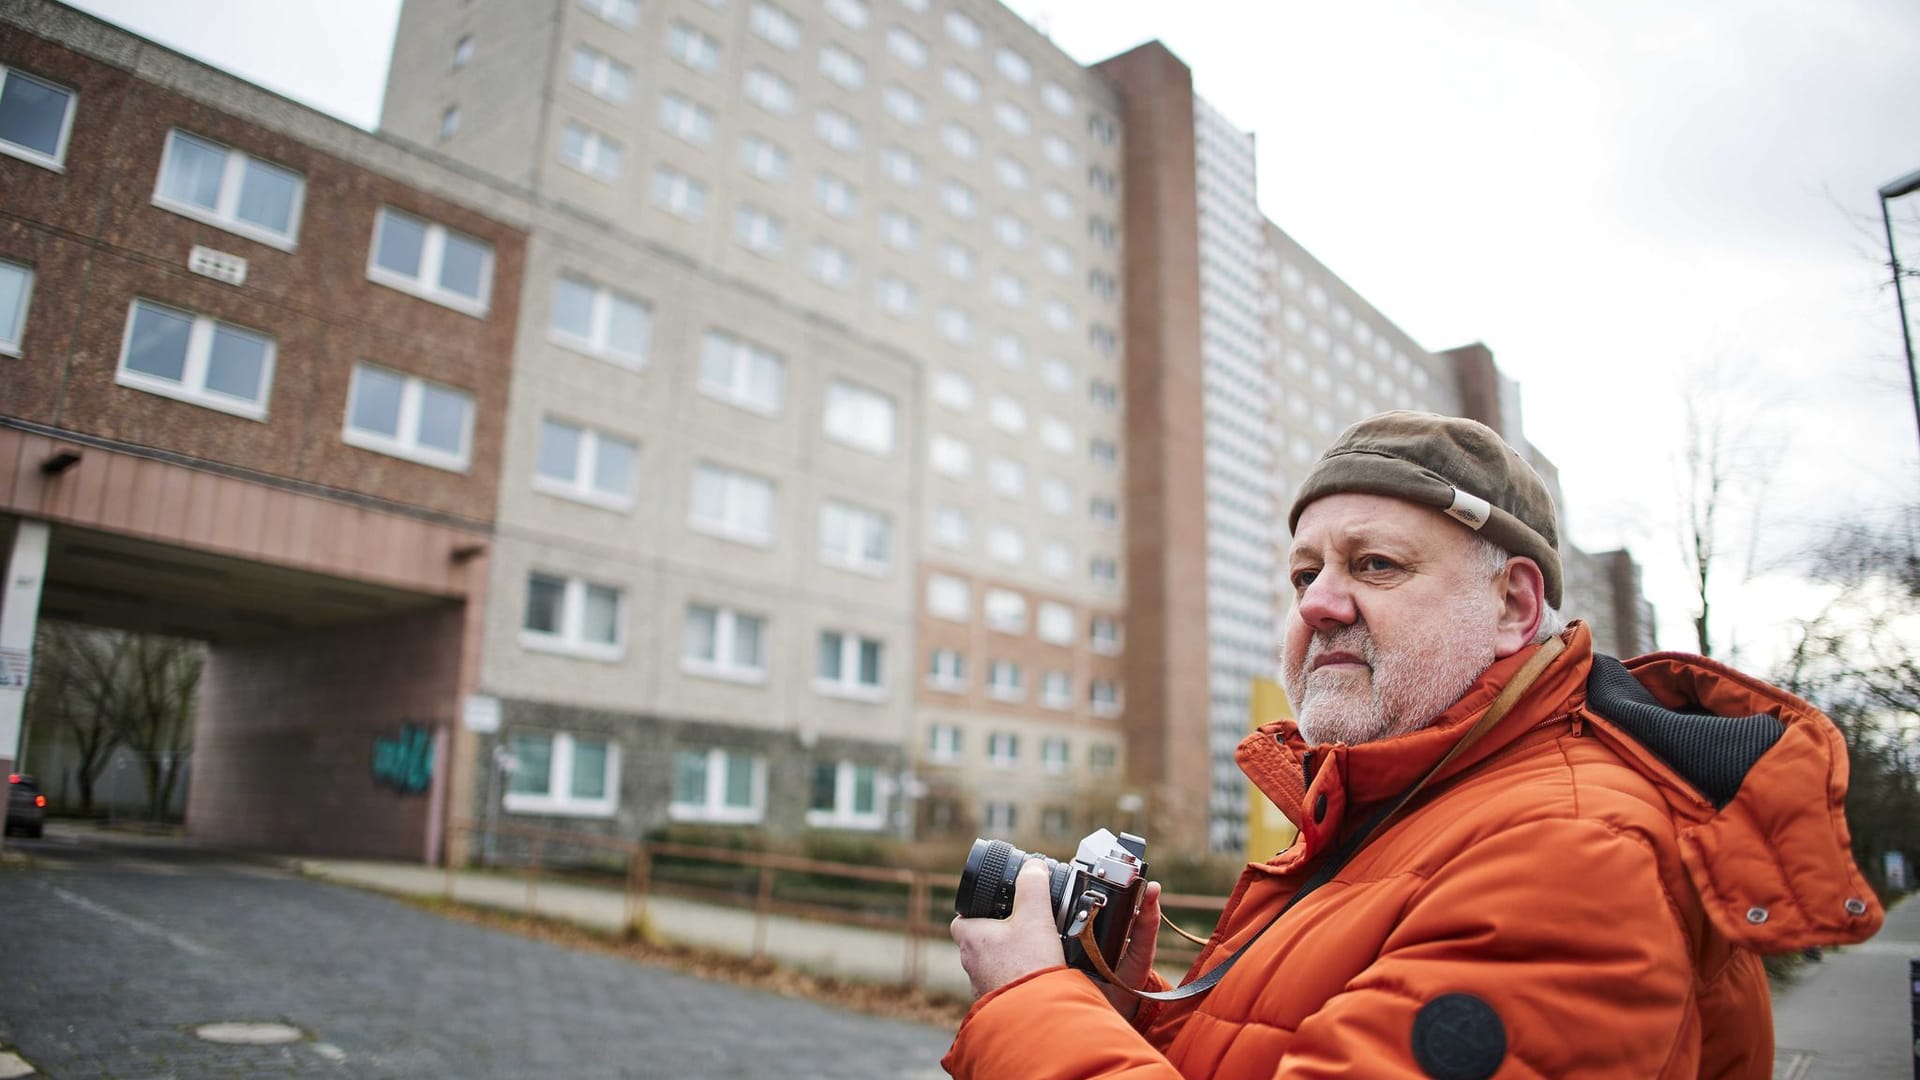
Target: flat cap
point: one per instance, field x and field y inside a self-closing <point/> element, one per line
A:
<point x="1458" y="466"/>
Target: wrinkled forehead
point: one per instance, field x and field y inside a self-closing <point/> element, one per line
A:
<point x="1350" y="520"/>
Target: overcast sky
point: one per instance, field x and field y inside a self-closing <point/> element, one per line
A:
<point x="1609" y="195"/>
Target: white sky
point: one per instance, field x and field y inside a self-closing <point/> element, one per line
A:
<point x="1607" y="194"/>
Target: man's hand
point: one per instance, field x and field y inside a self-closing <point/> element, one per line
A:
<point x="1137" y="961"/>
<point x="995" y="952"/>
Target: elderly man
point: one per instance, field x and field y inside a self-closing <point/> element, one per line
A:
<point x="1516" y="857"/>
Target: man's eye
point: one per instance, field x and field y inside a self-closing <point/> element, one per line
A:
<point x="1375" y="563"/>
<point x="1303" y="578"/>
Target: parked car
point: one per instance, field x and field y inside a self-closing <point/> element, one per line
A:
<point x="26" y="807"/>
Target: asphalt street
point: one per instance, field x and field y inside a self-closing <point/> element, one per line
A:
<point x="111" y="956"/>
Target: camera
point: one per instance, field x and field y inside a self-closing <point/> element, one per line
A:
<point x="1102" y="883"/>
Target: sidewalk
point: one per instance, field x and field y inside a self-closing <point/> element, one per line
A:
<point x="819" y="948"/>
<point x="1846" y="1017"/>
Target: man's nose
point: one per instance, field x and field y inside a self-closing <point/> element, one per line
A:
<point x="1328" y="602"/>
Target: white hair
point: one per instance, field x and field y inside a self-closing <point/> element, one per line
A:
<point x="1493" y="558"/>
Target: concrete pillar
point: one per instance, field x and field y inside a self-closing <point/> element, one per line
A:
<point x="19" y="619"/>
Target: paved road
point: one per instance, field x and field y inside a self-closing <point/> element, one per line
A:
<point x="1848" y="1016"/>
<point x="110" y="955"/>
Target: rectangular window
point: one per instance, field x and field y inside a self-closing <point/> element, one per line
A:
<point x="858" y="417"/>
<point x="849" y="666"/>
<point x="834" y="195"/>
<point x="1056" y="559"/>
<point x="1003" y="749"/>
<point x="758" y="231"/>
<point x="1005" y="543"/>
<point x="943" y="742"/>
<point x="1007" y="477"/>
<point x="899" y="231"/>
<point x="951" y="527"/>
<point x="897" y="296"/>
<point x="195" y="358"/>
<point x="16" y="291"/>
<point x="581" y="463"/>
<point x="906" y="48"/>
<point x="1054" y="624"/>
<point x="624" y="14"/>
<point x="1053" y="756"/>
<point x="998" y="817"/>
<point x="1104" y="511"/>
<point x="1004" y="682"/>
<point x="733" y="505"/>
<point x="601" y="75"/>
<point x="430" y="261"/>
<point x="763" y="159"/>
<point x="774" y="26"/>
<point x="1103" y="635"/>
<point x="679" y="194"/>
<point x="409" y="417"/>
<point x="837" y="130"/>
<point x="903" y="105"/>
<point x="854" y="538"/>
<point x="1101" y="758"/>
<point x="1104" y="696"/>
<point x="686" y="118"/>
<point x="742" y="373"/>
<point x="845" y="796"/>
<point x="949" y="597"/>
<point x="691" y="47"/>
<point x="842" y="67"/>
<point x="722" y="643"/>
<point x="563" y="774"/>
<point x="572" y="615"/>
<point x="829" y="264"/>
<point x="598" y="321"/>
<point x="1056" y="821"/>
<point x="1056" y="690"/>
<point x="208" y="182"/>
<point x="947" y="670"/>
<point x="1104" y="572"/>
<point x="722" y="786"/>
<point x="35" y="118"/>
<point x="590" y="152"/>
<point x="851" y="12"/>
<point x="769" y="91"/>
<point x="1005" y="611"/>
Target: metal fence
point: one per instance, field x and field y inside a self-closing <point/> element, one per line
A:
<point x="915" y="904"/>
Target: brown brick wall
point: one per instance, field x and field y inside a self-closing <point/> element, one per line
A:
<point x="1166" y="626"/>
<point x="96" y="241"/>
<point x="283" y="750"/>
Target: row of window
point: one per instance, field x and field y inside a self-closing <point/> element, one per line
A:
<point x="952" y="528"/>
<point x="951" y="598"/>
<point x="561" y="773"/>
<point x="946" y="744"/>
<point x="947" y="673"/>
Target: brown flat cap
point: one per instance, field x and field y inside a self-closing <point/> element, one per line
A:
<point x="1455" y="465"/>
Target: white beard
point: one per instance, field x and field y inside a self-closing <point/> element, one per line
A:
<point x="1406" y="685"/>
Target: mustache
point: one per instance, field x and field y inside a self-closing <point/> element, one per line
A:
<point x="1352" y="638"/>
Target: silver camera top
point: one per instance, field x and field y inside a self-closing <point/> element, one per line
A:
<point x="1114" y="860"/>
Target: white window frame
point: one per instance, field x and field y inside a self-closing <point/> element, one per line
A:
<point x="729" y="527"/>
<point x="864" y="408"/>
<point x="1108" y="703"/>
<point x="897" y="296"/>
<point x="13" y="337"/>
<point x="1004" y="611"/>
<point x="906" y="47"/>
<point x="758" y="230"/>
<point x="1006" y="544"/>
<point x="960" y="140"/>
<point x="600" y="157"/>
<point x="713" y="808"/>
<point x="560" y="766"/>
<point x="837" y="129"/>
<point x="432" y="252"/>
<point x="952" y="390"/>
<point x="58" y="159"/>
<point x="830" y="264"/>
<point x="835" y="195"/>
<point x="693" y="47"/>
<point x="903" y="105"/>
<point x="608" y="79"/>
<point x="573" y="607"/>
<point x="406" y="443"/>
<point x="861" y="524"/>
<point x="1103" y="758"/>
<point x="1103" y="573"/>
<point x="845" y="783"/>
<point x="599" y="343"/>
<point x="1054" y="623"/>
<point x="726" y="631"/>
<point x="1056" y="496"/>
<point x="225" y="211"/>
<point x="774" y="25"/>
<point x="1056" y="559"/>
<point x="848" y="685"/>
<point x="900" y="165"/>
<point x="741" y="356"/>
<point x="768" y="90"/>
<point x="677" y="193"/>
<point x="624" y="14"/>
<point x="1010" y="289"/>
<point x="962" y="84"/>
<point x="951" y="527"/>
<point x="193" y="377"/>
<point x="944" y="742"/>
<point x="842" y="68"/>
<point x="1003" y="748"/>
<point x="899" y="230"/>
<point x="1058" y="98"/>
<point x="949" y="456"/>
<point x="763" y="158"/>
<point x="580" y="487"/>
<point x="964" y="31"/>
<point x="998" y="816"/>
<point x="1012" y="119"/>
<point x="1056" y="435"/>
<point x="947" y="671"/>
<point x="1055" y="754"/>
<point x="949" y="598"/>
<point x="685" y="119"/>
<point x="1007" y="477"/>
<point x="1007" y="414"/>
<point x="851" y="12"/>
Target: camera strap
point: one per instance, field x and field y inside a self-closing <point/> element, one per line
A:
<point x="1082" y="930"/>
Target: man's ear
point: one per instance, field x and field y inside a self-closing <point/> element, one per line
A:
<point x="1523" y="602"/>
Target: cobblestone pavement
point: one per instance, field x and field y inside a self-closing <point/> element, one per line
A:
<point x="111" y="955"/>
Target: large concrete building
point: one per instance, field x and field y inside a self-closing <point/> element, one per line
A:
<point x="868" y="419"/>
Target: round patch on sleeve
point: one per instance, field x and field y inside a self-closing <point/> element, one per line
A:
<point x="1458" y="1037"/>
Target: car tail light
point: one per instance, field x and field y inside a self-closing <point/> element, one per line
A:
<point x="13" y="778"/>
<point x="40" y="801"/>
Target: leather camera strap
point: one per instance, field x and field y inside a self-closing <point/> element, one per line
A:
<point x="1502" y="704"/>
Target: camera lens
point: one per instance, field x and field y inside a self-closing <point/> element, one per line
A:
<point x="986" y="883"/>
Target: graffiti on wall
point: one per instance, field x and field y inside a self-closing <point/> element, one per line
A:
<point x="404" y="762"/>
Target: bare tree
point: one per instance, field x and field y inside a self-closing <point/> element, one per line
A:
<point x="74" y="683"/>
<point x="1724" y="465"/>
<point x="157" y="723"/>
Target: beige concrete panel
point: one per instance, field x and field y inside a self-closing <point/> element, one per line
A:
<point x="513" y="669"/>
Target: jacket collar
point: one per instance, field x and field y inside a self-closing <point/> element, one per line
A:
<point x="1320" y="788"/>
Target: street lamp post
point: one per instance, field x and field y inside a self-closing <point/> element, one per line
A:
<point x="1892" y="190"/>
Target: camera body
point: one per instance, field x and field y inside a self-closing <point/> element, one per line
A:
<point x="1103" y="883"/>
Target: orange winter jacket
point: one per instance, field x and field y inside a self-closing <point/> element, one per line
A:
<point x="1584" y="892"/>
